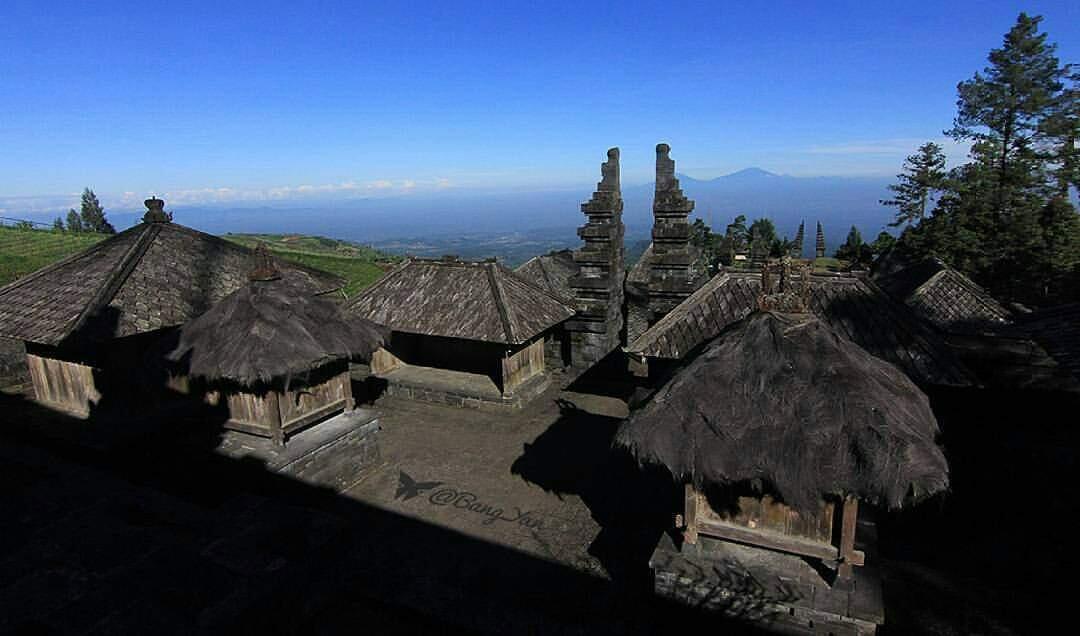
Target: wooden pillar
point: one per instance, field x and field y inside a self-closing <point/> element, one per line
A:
<point x="277" y="430"/>
<point x="690" y="513"/>
<point x="849" y="557"/>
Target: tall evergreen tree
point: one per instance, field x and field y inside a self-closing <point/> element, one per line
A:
<point x="74" y="221"/>
<point x="923" y="175"/>
<point x="1003" y="217"/>
<point x="93" y="215"/>
<point x="1007" y="104"/>
<point x="58" y="224"/>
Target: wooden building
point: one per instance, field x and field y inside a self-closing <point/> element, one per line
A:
<point x="480" y="322"/>
<point x="553" y="272"/>
<point x="276" y="352"/>
<point x="850" y="304"/>
<point x="781" y="426"/>
<point x="97" y="324"/>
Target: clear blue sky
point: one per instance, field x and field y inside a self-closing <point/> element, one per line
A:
<point x="262" y="99"/>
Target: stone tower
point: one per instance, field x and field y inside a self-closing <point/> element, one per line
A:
<point x="671" y="276"/>
<point x="819" y="245"/>
<point x="598" y="286"/>
<point x="797" y="247"/>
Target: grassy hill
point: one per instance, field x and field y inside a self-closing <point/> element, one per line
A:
<point x="25" y="250"/>
<point x="358" y="264"/>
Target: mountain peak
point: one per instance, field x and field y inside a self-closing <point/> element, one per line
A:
<point x="750" y="173"/>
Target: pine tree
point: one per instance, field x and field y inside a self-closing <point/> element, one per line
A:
<point x="58" y="224"/>
<point x="74" y="221"/>
<point x="923" y="176"/>
<point x="93" y="215"/>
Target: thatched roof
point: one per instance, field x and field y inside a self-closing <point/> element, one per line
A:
<point x="945" y="297"/>
<point x="271" y="329"/>
<point x="784" y="401"/>
<point x="852" y="305"/>
<point x="151" y="276"/>
<point x="457" y="299"/>
<point x="551" y="272"/>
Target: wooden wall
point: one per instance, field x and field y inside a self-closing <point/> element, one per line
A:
<point x="523" y="365"/>
<point x="382" y="361"/>
<point x="277" y="413"/>
<point x="68" y="386"/>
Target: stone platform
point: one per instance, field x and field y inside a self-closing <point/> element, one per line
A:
<point x="335" y="453"/>
<point x="780" y="592"/>
<point x="457" y="388"/>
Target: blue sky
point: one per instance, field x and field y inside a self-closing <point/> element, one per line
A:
<point x="225" y="101"/>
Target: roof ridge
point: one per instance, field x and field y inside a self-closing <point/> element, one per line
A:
<point x="518" y="278"/>
<point x="711" y="285"/>
<point x="116" y="278"/>
<point x="38" y="273"/>
<point x="927" y="337"/>
<point x="500" y="303"/>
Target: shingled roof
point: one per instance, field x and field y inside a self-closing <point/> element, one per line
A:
<point x="459" y="299"/>
<point x="153" y="275"/>
<point x="852" y="305"/>
<point x="552" y="272"/>
<point x="945" y="297"/>
<point x="1057" y="329"/>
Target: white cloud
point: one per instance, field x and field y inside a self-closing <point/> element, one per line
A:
<point x="129" y="200"/>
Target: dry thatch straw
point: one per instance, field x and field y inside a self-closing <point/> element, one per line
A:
<point x="275" y="326"/>
<point x="782" y="402"/>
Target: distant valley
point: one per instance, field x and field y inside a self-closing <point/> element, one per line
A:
<point x="514" y="226"/>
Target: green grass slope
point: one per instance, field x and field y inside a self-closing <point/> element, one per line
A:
<point x="24" y="250"/>
<point x="355" y="263"/>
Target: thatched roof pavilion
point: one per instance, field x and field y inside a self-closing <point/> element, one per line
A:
<point x="784" y="400"/>
<point x="278" y="350"/>
<point x="122" y="291"/>
<point x="477" y="318"/>
<point x="786" y="410"/>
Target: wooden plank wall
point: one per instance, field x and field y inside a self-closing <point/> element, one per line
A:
<point x="297" y="404"/>
<point x="65" y="385"/>
<point x="382" y="361"/>
<point x="523" y="365"/>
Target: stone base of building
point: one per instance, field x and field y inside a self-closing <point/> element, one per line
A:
<point x="335" y="453"/>
<point x="463" y="390"/>
<point x="779" y="592"/>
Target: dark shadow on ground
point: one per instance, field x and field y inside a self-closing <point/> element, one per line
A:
<point x="156" y="533"/>
<point x="633" y="506"/>
<point x="997" y="553"/>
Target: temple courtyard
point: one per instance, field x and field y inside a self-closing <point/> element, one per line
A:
<point x="516" y="522"/>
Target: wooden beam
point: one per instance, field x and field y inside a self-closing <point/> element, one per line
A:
<point x="766" y="539"/>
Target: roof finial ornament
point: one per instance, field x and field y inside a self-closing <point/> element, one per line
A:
<point x="785" y="286"/>
<point x="264" y="268"/>
<point x="155" y="211"/>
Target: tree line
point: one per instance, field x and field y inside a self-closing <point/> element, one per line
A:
<point x="89" y="218"/>
<point x="1007" y="217"/>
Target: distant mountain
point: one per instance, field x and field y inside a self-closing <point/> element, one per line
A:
<point x="491" y="218"/>
<point x="837" y="202"/>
